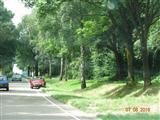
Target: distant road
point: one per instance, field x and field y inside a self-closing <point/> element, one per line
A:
<point x="23" y="103"/>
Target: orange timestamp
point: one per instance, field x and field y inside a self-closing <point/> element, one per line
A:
<point x="137" y="109"/>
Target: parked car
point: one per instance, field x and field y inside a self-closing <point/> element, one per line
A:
<point x="37" y="83"/>
<point x="16" y="77"/>
<point x="4" y="82"/>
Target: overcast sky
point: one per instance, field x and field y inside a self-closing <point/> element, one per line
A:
<point x="18" y="8"/>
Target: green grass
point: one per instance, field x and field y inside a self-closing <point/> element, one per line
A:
<point x="135" y="116"/>
<point x="106" y="98"/>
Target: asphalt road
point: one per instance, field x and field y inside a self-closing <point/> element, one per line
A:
<point x="23" y="103"/>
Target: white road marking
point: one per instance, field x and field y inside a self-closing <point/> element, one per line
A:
<point x="52" y="103"/>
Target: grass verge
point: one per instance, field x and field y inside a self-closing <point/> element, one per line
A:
<point x="109" y="100"/>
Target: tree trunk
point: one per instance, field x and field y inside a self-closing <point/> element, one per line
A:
<point x="0" y="69"/>
<point x="146" y="72"/>
<point x="36" y="68"/>
<point x="65" y="69"/>
<point x="130" y="59"/>
<point x="62" y="69"/>
<point x="82" y="68"/>
<point x="129" y="50"/>
<point x="50" y="67"/>
<point x="28" y="70"/>
<point x="121" y="70"/>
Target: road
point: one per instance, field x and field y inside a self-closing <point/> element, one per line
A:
<point x="23" y="103"/>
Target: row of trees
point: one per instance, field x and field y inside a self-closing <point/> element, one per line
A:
<point x="8" y="36"/>
<point x="95" y="37"/>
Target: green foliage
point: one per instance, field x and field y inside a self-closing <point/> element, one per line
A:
<point x="104" y="64"/>
<point x="154" y="36"/>
<point x="25" y="54"/>
<point x="156" y="79"/>
<point x="92" y="28"/>
<point x="7" y="70"/>
<point x="73" y="69"/>
<point x="134" y="116"/>
<point x="8" y="37"/>
<point x="106" y="29"/>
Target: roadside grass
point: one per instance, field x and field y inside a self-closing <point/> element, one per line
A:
<point x="135" y="116"/>
<point x="107" y="99"/>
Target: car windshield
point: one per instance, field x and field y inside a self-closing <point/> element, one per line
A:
<point x="36" y="79"/>
<point x="2" y="78"/>
<point x="17" y="76"/>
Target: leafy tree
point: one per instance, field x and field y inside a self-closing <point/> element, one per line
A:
<point x="27" y="52"/>
<point x="143" y="14"/>
<point x="8" y="36"/>
<point x="75" y="32"/>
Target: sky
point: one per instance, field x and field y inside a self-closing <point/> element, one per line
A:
<point x="16" y="69"/>
<point x="18" y="8"/>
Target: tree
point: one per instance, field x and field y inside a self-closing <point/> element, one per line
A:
<point x="122" y="21"/>
<point x="144" y="13"/>
<point x="8" y="37"/>
<point x="112" y="40"/>
<point x="27" y="54"/>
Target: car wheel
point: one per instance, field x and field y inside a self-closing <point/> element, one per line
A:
<point x="7" y="89"/>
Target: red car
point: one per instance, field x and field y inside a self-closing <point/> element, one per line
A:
<point x="37" y="83"/>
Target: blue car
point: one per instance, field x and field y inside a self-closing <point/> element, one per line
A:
<point x="4" y="82"/>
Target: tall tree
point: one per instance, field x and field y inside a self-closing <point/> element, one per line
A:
<point x="8" y="37"/>
<point x="143" y="14"/>
<point x="122" y="21"/>
<point x="28" y="35"/>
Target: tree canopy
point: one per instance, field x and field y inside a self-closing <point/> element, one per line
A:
<point x="8" y="37"/>
<point x="94" y="38"/>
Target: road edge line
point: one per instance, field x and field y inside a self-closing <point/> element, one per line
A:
<point x="51" y="102"/>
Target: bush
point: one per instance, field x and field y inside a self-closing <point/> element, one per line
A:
<point x="103" y="64"/>
<point x="156" y="78"/>
<point x="73" y="69"/>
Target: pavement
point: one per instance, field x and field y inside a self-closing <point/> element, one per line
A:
<point x="23" y="103"/>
